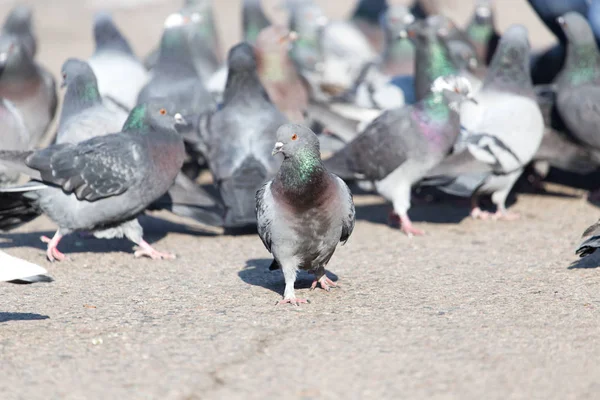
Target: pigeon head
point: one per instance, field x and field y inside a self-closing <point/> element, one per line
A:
<point x="241" y="58"/>
<point x="294" y="140"/>
<point x="307" y="19"/>
<point x="107" y="36"/>
<point x="454" y="88"/>
<point x="576" y="28"/>
<point x="510" y="64"/>
<point x="395" y="21"/>
<point x="14" y="58"/>
<point x="19" y="20"/>
<point x="484" y="11"/>
<point x="175" y="53"/>
<point x="153" y="116"/>
<point x="78" y="73"/>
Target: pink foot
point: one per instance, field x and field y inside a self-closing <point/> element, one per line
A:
<point x="478" y="213"/>
<point x="294" y="301"/>
<point x="326" y="283"/>
<point x="407" y="227"/>
<point x="148" y="251"/>
<point x="52" y="252"/>
<point x="505" y="215"/>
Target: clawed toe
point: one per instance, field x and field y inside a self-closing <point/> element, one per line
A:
<point x="294" y="301"/>
<point x="325" y="282"/>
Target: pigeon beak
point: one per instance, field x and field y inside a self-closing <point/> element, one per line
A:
<point x="403" y="34"/>
<point x="179" y="120"/>
<point x="277" y="148"/>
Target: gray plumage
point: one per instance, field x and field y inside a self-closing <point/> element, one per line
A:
<point x="15" y="136"/>
<point x="254" y="20"/>
<point x="120" y="74"/>
<point x="590" y="242"/>
<point x="502" y="132"/>
<point x="305" y="211"/>
<point x="28" y="86"/>
<point x="238" y="138"/>
<point x="398" y="148"/>
<point x="19" y="22"/>
<point x="99" y="185"/>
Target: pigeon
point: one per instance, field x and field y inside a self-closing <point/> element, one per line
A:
<point x="366" y="17"/>
<point x="481" y="31"/>
<point x="237" y="139"/>
<point x="398" y="148"/>
<point x="304" y="212"/>
<point x="501" y="133"/>
<point x="19" y="23"/>
<point x="16" y="270"/>
<point x="119" y="73"/>
<point x="202" y="13"/>
<point x="399" y="54"/>
<point x="30" y="87"/>
<point x="84" y="115"/>
<point x="100" y="185"/>
<point x="15" y="136"/>
<point x="433" y="58"/>
<point x="591" y="241"/>
<point x="546" y="65"/>
<point x="277" y="73"/>
<point x="254" y="20"/>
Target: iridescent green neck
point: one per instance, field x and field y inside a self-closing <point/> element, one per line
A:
<point x="582" y="64"/>
<point x="480" y="33"/>
<point x="436" y="107"/>
<point x="440" y="63"/>
<point x="136" y="119"/>
<point x="302" y="168"/>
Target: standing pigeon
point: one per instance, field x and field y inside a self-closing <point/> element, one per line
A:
<point x="254" y="20"/>
<point x="399" y="53"/>
<point x="120" y="74"/>
<point x="398" y="148"/>
<point x="502" y="132"/>
<point x="100" y="185"/>
<point x="482" y="31"/>
<point x="304" y="212"/>
<point x="19" y="23"/>
<point x="84" y="115"/>
<point x="238" y="138"/>
<point x="28" y="86"/>
<point x="277" y="73"/>
<point x="591" y="241"/>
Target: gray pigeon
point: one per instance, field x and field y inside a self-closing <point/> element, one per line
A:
<point x="84" y="115"/>
<point x="175" y="76"/>
<point x="28" y="86"/>
<point x="502" y="132"/>
<point x="100" y="185"/>
<point x="481" y="31"/>
<point x="254" y="20"/>
<point x="238" y="138"/>
<point x="399" y="53"/>
<point x="304" y="212"/>
<point x="591" y="241"/>
<point x="398" y="148"/>
<point x="19" y="23"/>
<point x="121" y="76"/>
<point x="15" y="136"/>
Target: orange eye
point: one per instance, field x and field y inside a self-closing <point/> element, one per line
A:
<point x="294" y="137"/>
<point x="162" y="111"/>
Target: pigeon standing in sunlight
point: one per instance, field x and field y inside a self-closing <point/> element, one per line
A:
<point x="238" y="138"/>
<point x="20" y="24"/>
<point x="502" y="132"/>
<point x="28" y="86"/>
<point x="119" y="73"/>
<point x="277" y="72"/>
<point x="482" y="31"/>
<point x="254" y="20"/>
<point x="100" y="185"/>
<point x="304" y="212"/>
<point x="398" y="148"/>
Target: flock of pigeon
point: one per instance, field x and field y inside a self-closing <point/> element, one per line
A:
<point x="400" y="99"/>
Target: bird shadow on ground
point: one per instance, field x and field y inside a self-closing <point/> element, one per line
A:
<point x="155" y="229"/>
<point x="433" y="213"/>
<point x="15" y="316"/>
<point x="256" y="272"/>
<point x="590" y="262"/>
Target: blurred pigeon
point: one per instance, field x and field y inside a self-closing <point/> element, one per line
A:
<point x="277" y="73"/>
<point x="202" y="13"/>
<point x="19" y="23"/>
<point x="174" y="76"/>
<point x="502" y="132"/>
<point x="593" y="17"/>
<point x="366" y="17"/>
<point x="422" y="9"/>
<point x="398" y="148"/>
<point x="254" y="20"/>
<point x="119" y="73"/>
<point x="15" y="136"/>
<point x="399" y="53"/>
<point x="84" y="115"/>
<point x="28" y="86"/>
<point x="16" y="270"/>
<point x="591" y="241"/>
<point x="304" y="212"/>
<point x="237" y="139"/>
<point x="546" y="65"/>
<point x="481" y="31"/>
<point x="100" y="185"/>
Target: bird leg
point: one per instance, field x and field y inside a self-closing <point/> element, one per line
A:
<point x="324" y="281"/>
<point x="148" y="251"/>
<point x="476" y="212"/>
<point x="52" y="251"/>
<point x="289" y="295"/>
<point x="405" y="223"/>
<point x="505" y="215"/>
